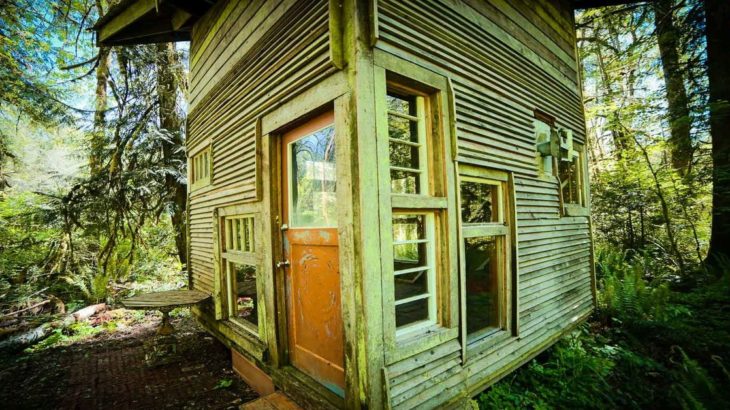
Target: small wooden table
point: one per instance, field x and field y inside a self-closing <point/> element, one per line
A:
<point x="164" y="302"/>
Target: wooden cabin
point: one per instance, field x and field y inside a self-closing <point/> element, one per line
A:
<point x="388" y="199"/>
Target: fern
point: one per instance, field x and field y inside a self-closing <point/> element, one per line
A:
<point x="693" y="388"/>
<point x="93" y="285"/>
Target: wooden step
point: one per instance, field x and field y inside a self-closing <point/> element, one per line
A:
<point x="275" y="401"/>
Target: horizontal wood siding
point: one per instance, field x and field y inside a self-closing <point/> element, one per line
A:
<point x="505" y="59"/>
<point x="246" y="58"/>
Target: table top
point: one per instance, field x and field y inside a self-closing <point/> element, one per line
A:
<point x="165" y="299"/>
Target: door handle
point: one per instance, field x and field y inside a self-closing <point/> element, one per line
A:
<point x="282" y="263"/>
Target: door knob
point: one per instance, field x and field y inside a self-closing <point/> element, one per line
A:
<point x="282" y="263"/>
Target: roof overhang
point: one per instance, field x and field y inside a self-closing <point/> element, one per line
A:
<point x="149" y="21"/>
<point x="157" y="21"/>
<point x="590" y="4"/>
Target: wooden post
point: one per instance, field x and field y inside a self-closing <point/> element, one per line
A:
<point x="362" y="302"/>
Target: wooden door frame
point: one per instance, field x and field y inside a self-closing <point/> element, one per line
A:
<point x="331" y="93"/>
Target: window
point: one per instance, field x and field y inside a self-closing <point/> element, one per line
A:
<point x="569" y="172"/>
<point x="414" y="248"/>
<point x="200" y="168"/>
<point x="571" y="175"/>
<point x="314" y="178"/>
<point x="416" y="196"/>
<point x="236" y="284"/>
<point x="485" y="233"/>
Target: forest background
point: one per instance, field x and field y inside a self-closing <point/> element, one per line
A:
<point x="93" y="192"/>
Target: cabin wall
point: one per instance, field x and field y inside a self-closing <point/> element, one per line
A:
<point x="505" y="59"/>
<point x="246" y="57"/>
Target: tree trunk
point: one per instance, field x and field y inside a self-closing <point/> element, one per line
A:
<point x="41" y="332"/>
<point x="718" y="71"/>
<point x="680" y="141"/>
<point x="168" y="86"/>
<point x="102" y="76"/>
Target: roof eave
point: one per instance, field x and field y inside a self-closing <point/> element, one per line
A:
<point x="149" y="21"/>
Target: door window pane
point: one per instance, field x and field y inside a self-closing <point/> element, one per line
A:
<point x="243" y="303"/>
<point x="479" y="202"/>
<point x="482" y="283"/>
<point x="313" y="180"/>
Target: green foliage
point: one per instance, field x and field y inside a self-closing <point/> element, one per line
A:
<point x="625" y="294"/>
<point x="223" y="384"/>
<point x="647" y="347"/>
<point x="694" y="389"/>
<point x="93" y="285"/>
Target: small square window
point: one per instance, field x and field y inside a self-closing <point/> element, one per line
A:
<point x="201" y="165"/>
<point x="243" y="296"/>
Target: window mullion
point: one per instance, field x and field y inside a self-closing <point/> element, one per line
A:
<point x="412" y="299"/>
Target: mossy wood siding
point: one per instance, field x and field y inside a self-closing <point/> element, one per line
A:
<point x="505" y="60"/>
<point x="246" y="56"/>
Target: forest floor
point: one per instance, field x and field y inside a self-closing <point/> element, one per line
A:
<point x="106" y="369"/>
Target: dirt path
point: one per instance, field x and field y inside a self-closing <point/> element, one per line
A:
<point x="109" y="372"/>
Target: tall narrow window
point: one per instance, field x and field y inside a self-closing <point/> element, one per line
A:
<point x="200" y="168"/>
<point x="484" y="261"/>
<point x="416" y="187"/>
<point x="238" y="268"/>
<point x="413" y="223"/>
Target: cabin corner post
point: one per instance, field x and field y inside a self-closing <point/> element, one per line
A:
<point x="363" y="302"/>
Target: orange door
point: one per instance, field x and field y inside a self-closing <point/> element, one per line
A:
<point x="311" y="248"/>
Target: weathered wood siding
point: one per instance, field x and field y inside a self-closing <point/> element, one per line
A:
<point x="505" y="59"/>
<point x="247" y="56"/>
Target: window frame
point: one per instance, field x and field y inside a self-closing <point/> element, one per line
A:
<point x="506" y="233"/>
<point x="434" y="199"/>
<point x="223" y="258"/>
<point x="196" y="182"/>
<point x="581" y="208"/>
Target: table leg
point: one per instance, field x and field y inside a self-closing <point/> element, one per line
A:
<point x="165" y="327"/>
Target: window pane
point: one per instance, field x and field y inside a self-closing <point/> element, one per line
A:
<point x="479" y="202"/>
<point x="313" y="180"/>
<point x="401" y="104"/>
<point x="409" y="255"/>
<point x="404" y="182"/>
<point x="568" y="173"/>
<point x="482" y="283"/>
<point x="408" y="227"/>
<point x="248" y="247"/>
<point x="403" y="155"/>
<point x="244" y="301"/>
<point x="402" y="129"/>
<point x="411" y="312"/>
<point x="411" y="284"/>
